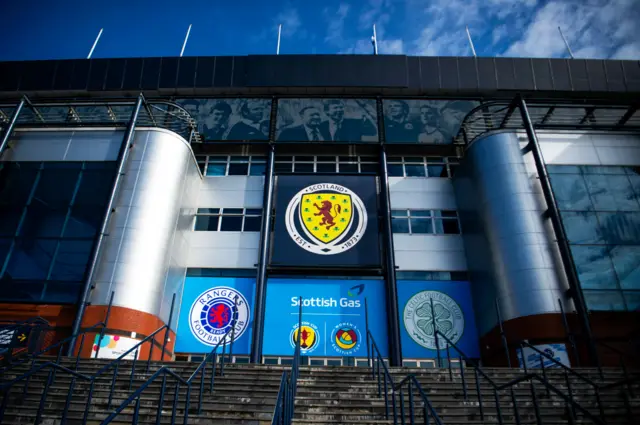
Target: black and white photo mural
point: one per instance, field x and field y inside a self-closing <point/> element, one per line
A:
<point x="230" y="119"/>
<point x="434" y="122"/>
<point x="320" y="120"/>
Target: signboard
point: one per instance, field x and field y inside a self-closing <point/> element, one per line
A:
<point x="326" y="221"/>
<point x="434" y="122"/>
<point x="209" y="307"/>
<point x="327" y="120"/>
<point x="113" y="346"/>
<point x="454" y="317"/>
<point x="532" y="357"/>
<point x="333" y="317"/>
<point x="15" y="338"/>
<point x="230" y="119"/>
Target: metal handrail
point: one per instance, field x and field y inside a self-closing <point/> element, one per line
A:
<point x="285" y="401"/>
<point x="570" y="404"/>
<point x="385" y="380"/>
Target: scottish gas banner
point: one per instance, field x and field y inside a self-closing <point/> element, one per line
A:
<point x="209" y="307"/>
<point x="326" y="221"/>
<point x="452" y="315"/>
<point x="333" y="317"/>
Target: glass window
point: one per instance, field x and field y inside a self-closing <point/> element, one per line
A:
<point x="595" y="269"/>
<point x="83" y="222"/>
<point x="421" y="225"/>
<point x="415" y="170"/>
<point x="437" y="170"/>
<point x="215" y="169"/>
<point x="447" y="226"/>
<point x="395" y="170"/>
<point x="399" y="225"/>
<point x="252" y="223"/>
<point x="611" y="193"/>
<point x="257" y="169"/>
<point x="326" y="168"/>
<point x="626" y="261"/>
<point x="571" y="192"/>
<point x="231" y="223"/>
<point x="581" y="227"/>
<point x="31" y="258"/>
<point x="16" y="182"/>
<point x="420" y="213"/>
<point x="57" y="184"/>
<point x="368" y="168"/>
<point x="207" y="223"/>
<point x="620" y="228"/>
<point x="95" y="186"/>
<point x="399" y="213"/>
<point x="303" y="167"/>
<point x="71" y="259"/>
<point x="604" y="300"/>
<point x="10" y="220"/>
<point x="632" y="299"/>
<point x="238" y="169"/>
<point x="283" y="167"/>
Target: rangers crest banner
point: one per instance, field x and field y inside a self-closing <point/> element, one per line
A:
<point x="326" y="221"/>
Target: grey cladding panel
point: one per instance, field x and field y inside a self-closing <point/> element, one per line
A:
<point x="542" y="74"/>
<point x="561" y="78"/>
<point x="632" y="75"/>
<point x="132" y="74"/>
<point x="98" y="74"/>
<point x="487" y="74"/>
<point x="64" y="72"/>
<point x="150" y="74"/>
<point x="413" y="72"/>
<point x="168" y="72"/>
<point x="597" y="76"/>
<point x="204" y="72"/>
<point x="223" y="71"/>
<point x="449" y="74"/>
<point x="9" y="75"/>
<point x="579" y="76"/>
<point x="506" y="77"/>
<point x="524" y="74"/>
<point x="239" y="77"/>
<point x="430" y="70"/>
<point x="115" y="73"/>
<point x="468" y="74"/>
<point x="186" y="72"/>
<point x="615" y="76"/>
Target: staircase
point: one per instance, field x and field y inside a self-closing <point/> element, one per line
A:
<point x="246" y="395"/>
<point x="344" y="395"/>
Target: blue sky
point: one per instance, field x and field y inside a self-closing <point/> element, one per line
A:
<point x="42" y="29"/>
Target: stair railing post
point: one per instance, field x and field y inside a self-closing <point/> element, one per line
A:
<point x="435" y="331"/>
<point x="104" y="325"/>
<point x="168" y="329"/>
<point x="503" y="336"/>
<point x="366" y="324"/>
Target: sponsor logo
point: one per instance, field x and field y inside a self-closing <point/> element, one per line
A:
<point x="215" y="311"/>
<point x="309" y="337"/>
<point x="326" y="218"/>
<point x="355" y="290"/>
<point x="419" y="321"/>
<point x="346" y="339"/>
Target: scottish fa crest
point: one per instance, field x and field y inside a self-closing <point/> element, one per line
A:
<point x="326" y="218"/>
<point x="214" y="313"/>
<point x="419" y="321"/>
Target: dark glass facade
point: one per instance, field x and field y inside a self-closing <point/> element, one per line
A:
<point x="51" y="213"/>
<point x="600" y="209"/>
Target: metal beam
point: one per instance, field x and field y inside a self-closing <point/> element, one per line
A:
<point x="627" y="116"/>
<point x="548" y="115"/>
<point x="508" y="115"/>
<point x="9" y="129"/>
<point x="123" y="154"/>
<point x="260" y="302"/>
<point x="588" y="115"/>
<point x="558" y="228"/>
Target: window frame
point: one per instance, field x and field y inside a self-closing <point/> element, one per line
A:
<point x="221" y="214"/>
<point x="432" y="217"/>
<point x="447" y="162"/>
<point x="205" y="160"/>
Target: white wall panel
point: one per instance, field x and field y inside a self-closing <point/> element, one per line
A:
<point x="430" y="252"/>
<point x="223" y="250"/>
<point x="421" y="193"/>
<point x="589" y="148"/>
<point x="231" y="192"/>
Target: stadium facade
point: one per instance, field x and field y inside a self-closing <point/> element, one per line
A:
<point x="491" y="198"/>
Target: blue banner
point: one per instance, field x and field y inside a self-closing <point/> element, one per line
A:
<point x="453" y="313"/>
<point x="209" y="305"/>
<point x="333" y="317"/>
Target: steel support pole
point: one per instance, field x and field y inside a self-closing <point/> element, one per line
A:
<point x="9" y="130"/>
<point x="123" y="154"/>
<point x="395" y="349"/>
<point x="558" y="228"/>
<point x="263" y="260"/>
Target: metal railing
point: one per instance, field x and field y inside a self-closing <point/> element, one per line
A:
<point x="116" y="113"/>
<point x="285" y="401"/>
<point x="54" y="366"/>
<point x="166" y="372"/>
<point x="387" y="386"/>
<point x="572" y="408"/>
<point x="60" y="345"/>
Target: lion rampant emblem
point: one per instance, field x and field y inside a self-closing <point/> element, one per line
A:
<point x="325" y="211"/>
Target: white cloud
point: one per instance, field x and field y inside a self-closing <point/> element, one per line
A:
<point x="335" y="28"/>
<point x="290" y="21"/>
<point x="594" y="29"/>
<point x="628" y="51"/>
